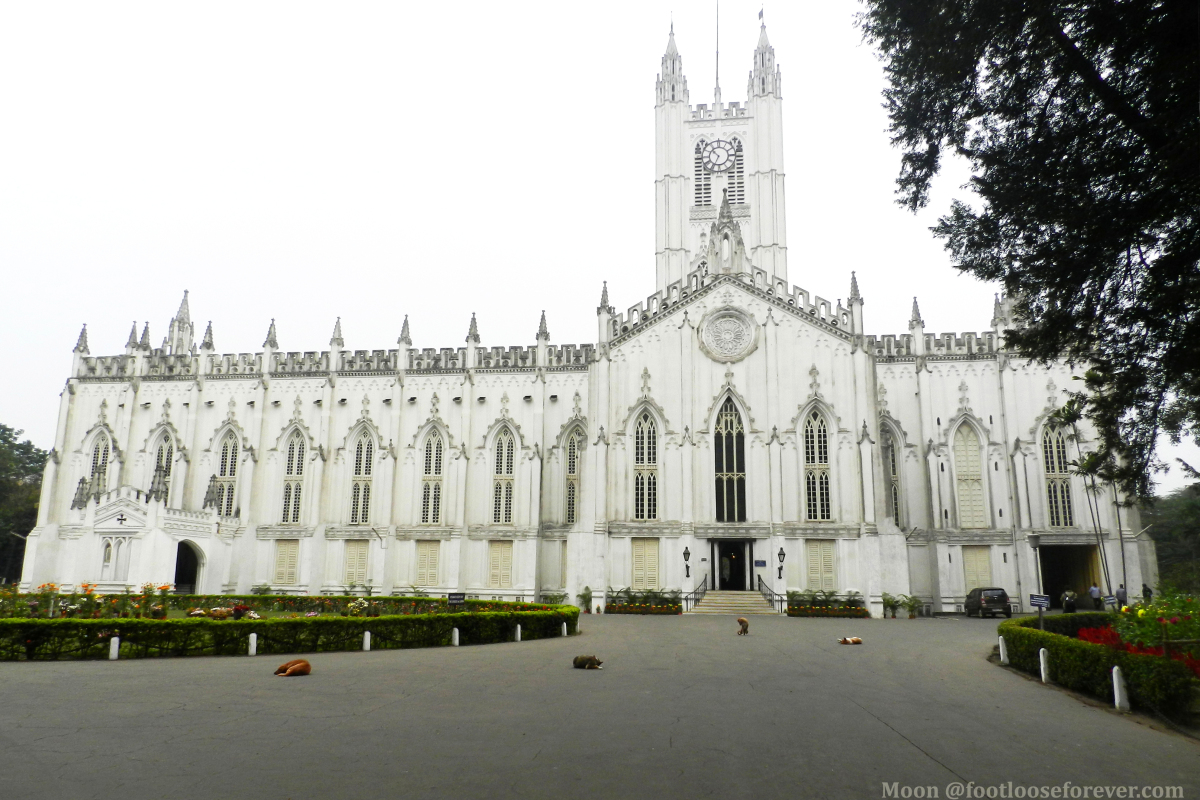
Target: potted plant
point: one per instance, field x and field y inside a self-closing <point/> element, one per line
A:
<point x="585" y="599"/>
<point x="890" y="603"/>
<point x="911" y="603"/>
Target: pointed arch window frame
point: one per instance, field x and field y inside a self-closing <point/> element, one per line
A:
<point x="892" y="458"/>
<point x="504" y="467"/>
<point x="573" y="446"/>
<point x="701" y="178"/>
<point x="225" y="483"/>
<point x="294" y="452"/>
<point x="817" y="466"/>
<point x="433" y="478"/>
<point x="1060" y="511"/>
<point x="362" y="471"/>
<point x="645" y="466"/>
<point x="98" y="468"/>
<point x="970" y="473"/>
<point x="164" y="459"/>
<point x="729" y="452"/>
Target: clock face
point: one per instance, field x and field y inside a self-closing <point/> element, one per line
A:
<point x="718" y="155"/>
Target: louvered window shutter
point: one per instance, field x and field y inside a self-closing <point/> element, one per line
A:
<point x="977" y="566"/>
<point x="827" y="574"/>
<point x="287" y="555"/>
<point x="821" y="571"/>
<point x="494" y="563"/>
<point x="506" y="552"/>
<point x="356" y="561"/>
<point x="639" y="563"/>
<point x="650" y="556"/>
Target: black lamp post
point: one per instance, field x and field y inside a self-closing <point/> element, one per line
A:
<point x="782" y="555"/>
<point x="687" y="570"/>
<point x="1035" y="541"/>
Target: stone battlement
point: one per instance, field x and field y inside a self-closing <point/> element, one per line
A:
<point x="724" y="111"/>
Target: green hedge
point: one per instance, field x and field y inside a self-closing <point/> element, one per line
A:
<point x="830" y="611"/>
<point x="1154" y="682"/>
<point x="48" y="640"/>
<point x="643" y="608"/>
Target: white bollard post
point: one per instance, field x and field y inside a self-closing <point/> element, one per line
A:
<point x="366" y="640"/>
<point x="518" y="631"/>
<point x="1044" y="662"/>
<point x="564" y="633"/>
<point x="1120" y="690"/>
<point x="253" y="649"/>
<point x="114" y="648"/>
<point x="454" y="637"/>
<point x="1003" y="652"/>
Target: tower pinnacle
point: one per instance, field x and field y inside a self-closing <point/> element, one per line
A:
<point x="543" y="332"/>
<point x="473" y="331"/>
<point x="336" y="341"/>
<point x="81" y="344"/>
<point x="764" y="78"/>
<point x="405" y="336"/>
<point x="672" y="85"/>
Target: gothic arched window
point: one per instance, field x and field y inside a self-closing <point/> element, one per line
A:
<point x="98" y="479"/>
<point x="701" y="177"/>
<point x="968" y="474"/>
<point x="816" y="468"/>
<point x="227" y="476"/>
<point x="431" y="481"/>
<point x="1058" y="479"/>
<point x="572" y="472"/>
<point x="645" y="468"/>
<point x="891" y="475"/>
<point x="737" y="175"/>
<point x="729" y="444"/>
<point x="360" y="488"/>
<point x="502" y="479"/>
<point x="163" y="460"/>
<point x="293" y="479"/>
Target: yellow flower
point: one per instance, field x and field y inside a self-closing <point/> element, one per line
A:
<point x="1141" y="612"/>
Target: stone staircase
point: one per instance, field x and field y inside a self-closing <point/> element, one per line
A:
<point x="733" y="604"/>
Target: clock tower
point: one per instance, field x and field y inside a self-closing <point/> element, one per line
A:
<point x="708" y="154"/>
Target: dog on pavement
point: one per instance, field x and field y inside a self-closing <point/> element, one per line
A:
<point x="743" y="626"/>
<point x="291" y="668"/>
<point x="587" y="662"/>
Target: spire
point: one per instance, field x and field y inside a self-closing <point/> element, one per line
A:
<point x="854" y="294"/>
<point x="207" y="342"/>
<point x="145" y="342"/>
<point x="473" y="331"/>
<point x="272" y="340"/>
<point x="604" y="296"/>
<point x="764" y="78"/>
<point x="672" y="85"/>
<point x="132" y="342"/>
<point x="405" y="336"/>
<point x="184" y="313"/>
<point x="543" y="331"/>
<point x="336" y="342"/>
<point x="916" y="321"/>
<point x="81" y="345"/>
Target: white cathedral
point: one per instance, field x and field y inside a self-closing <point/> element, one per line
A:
<point x="728" y="419"/>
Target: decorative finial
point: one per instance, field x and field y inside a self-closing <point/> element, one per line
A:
<point x="916" y="316"/>
<point x="405" y="336"/>
<point x="336" y="342"/>
<point x="184" y="313"/>
<point x="81" y="345"/>
<point x="145" y="342"/>
<point x="132" y="342"/>
<point x="543" y="332"/>
<point x="854" y="295"/>
<point x="272" y="341"/>
<point x="473" y="331"/>
<point x="604" y="296"/>
<point x="207" y="342"/>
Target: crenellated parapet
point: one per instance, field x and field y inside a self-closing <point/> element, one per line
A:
<point x="946" y="345"/>
<point x="717" y="111"/>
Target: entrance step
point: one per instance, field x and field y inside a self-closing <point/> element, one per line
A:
<point x="736" y="604"/>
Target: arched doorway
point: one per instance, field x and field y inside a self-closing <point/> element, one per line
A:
<point x="187" y="568"/>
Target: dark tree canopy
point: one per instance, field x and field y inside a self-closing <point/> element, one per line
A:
<point x="21" y="466"/>
<point x="1175" y="521"/>
<point x="1080" y="122"/>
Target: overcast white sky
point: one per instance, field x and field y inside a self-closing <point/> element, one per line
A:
<point x="368" y="160"/>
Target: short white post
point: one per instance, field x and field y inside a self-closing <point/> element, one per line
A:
<point x="564" y="633"/>
<point x="366" y="640"/>
<point x="454" y="637"/>
<point x="114" y="648"/>
<point x="252" y="650"/>
<point x="1120" y="691"/>
<point x="1044" y="662"/>
<point x="518" y="631"/>
<point x="1003" y="652"/>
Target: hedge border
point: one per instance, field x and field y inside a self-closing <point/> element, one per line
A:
<point x="58" y="639"/>
<point x="820" y="612"/>
<point x="1154" y="682"/>
<point x="647" y="609"/>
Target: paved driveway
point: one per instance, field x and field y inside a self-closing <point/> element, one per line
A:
<point x="682" y="709"/>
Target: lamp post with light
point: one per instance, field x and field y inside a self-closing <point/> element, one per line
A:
<point x="1035" y="541"/>
<point x="782" y="556"/>
<point x="687" y="570"/>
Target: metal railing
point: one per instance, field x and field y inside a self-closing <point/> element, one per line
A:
<point x="778" y="601"/>
<point x="693" y="598"/>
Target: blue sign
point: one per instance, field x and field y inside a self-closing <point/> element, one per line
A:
<point x="1112" y="601"/>
<point x="456" y="598"/>
<point x="1039" y="600"/>
<point x="758" y="563"/>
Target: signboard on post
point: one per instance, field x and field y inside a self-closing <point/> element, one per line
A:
<point x="1110" y="600"/>
<point x="759" y="563"/>
<point x="456" y="599"/>
<point x="1039" y="600"/>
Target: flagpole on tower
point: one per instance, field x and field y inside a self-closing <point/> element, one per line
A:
<point x="717" y="91"/>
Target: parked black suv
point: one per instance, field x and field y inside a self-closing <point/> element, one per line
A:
<point x="987" y="601"/>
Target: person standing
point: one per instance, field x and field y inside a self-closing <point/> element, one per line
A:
<point x="1122" y="596"/>
<point x="1097" y="600"/>
<point x="1068" y="601"/>
<point x="1147" y="593"/>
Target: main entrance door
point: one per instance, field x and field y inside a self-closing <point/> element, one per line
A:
<point x="733" y="566"/>
<point x="1070" y="566"/>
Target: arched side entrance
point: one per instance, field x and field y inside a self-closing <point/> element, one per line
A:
<point x="187" y="568"/>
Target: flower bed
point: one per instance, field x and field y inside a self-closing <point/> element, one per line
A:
<point x="48" y="640"/>
<point x="643" y="608"/>
<point x="1154" y="682"/>
<point x="828" y="611"/>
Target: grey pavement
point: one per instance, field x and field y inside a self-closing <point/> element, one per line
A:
<point x="683" y="708"/>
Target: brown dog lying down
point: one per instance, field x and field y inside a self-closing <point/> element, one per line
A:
<point x="744" y="626"/>
<point x="297" y="667"/>
<point x="849" y="640"/>
<point x="587" y="662"/>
